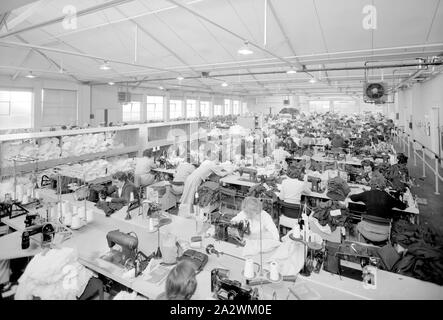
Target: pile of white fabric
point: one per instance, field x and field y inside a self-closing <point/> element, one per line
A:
<point x="14" y="148"/>
<point x="99" y="168"/>
<point x="88" y="143"/>
<point x="49" y="149"/>
<point x="121" y="164"/>
<point x="239" y="130"/>
<point x="215" y="132"/>
<point x="23" y="185"/>
<point x="53" y="275"/>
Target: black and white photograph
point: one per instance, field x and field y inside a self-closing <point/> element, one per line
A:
<point x="223" y="155"/>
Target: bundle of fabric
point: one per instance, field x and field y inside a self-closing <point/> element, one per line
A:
<point x="13" y="149"/>
<point x="402" y="159"/>
<point x="383" y="147"/>
<point x="53" y="275"/>
<point x="208" y="193"/>
<point x="338" y="189"/>
<point x="423" y="258"/>
<point x="323" y="214"/>
<point x="352" y="170"/>
<point x="49" y="149"/>
<point x="396" y="176"/>
<point x="260" y="191"/>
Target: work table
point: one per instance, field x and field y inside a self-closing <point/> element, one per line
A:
<point x="90" y="242"/>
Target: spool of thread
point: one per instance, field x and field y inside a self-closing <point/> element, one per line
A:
<point x="274" y="274"/>
<point x="66" y="207"/>
<point x="249" y="268"/>
<point x="54" y="213"/>
<point x="67" y="218"/>
<point x="151" y="224"/>
<point x="131" y="197"/>
<point x="59" y="210"/>
<point x="37" y="194"/>
<point x="296" y="230"/>
<point x="89" y="215"/>
<point x="75" y="222"/>
<point x="19" y="193"/>
<point x="81" y="211"/>
<point x="25" y="199"/>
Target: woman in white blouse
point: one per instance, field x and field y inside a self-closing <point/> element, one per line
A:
<point x="252" y="211"/>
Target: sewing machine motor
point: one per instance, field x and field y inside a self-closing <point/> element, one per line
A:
<point x="226" y="289"/>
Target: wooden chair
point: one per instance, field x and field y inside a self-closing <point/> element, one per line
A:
<point x="289" y="210"/>
<point x="228" y="197"/>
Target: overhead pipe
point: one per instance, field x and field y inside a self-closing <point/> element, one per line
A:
<point x="281" y="72"/>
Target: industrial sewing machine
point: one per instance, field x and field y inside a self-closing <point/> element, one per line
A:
<point x="252" y="174"/>
<point x="316" y="184"/>
<point x="226" y="289"/>
<point x="128" y="256"/>
<point x="46" y="229"/>
<point x="232" y="232"/>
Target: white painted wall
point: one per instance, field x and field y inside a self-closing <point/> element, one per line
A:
<point x="422" y="103"/>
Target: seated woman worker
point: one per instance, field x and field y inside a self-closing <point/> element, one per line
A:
<point x="252" y="211"/>
<point x="121" y="189"/>
<point x="181" y="282"/>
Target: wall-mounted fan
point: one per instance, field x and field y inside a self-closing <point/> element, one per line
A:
<point x="375" y="92"/>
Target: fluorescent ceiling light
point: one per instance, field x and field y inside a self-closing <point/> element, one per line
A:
<point x="161" y="88"/>
<point x="224" y="84"/>
<point x="313" y="80"/>
<point x="111" y="83"/>
<point x="105" y="66"/>
<point x="245" y="50"/>
<point x="291" y="71"/>
<point x="30" y="75"/>
<point x="180" y="78"/>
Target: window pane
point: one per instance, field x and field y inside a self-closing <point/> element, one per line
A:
<point x="15" y="109"/>
<point x="4" y="108"/>
<point x="59" y="107"/>
<point x="227" y="107"/>
<point x="175" y="109"/>
<point x="205" y="108"/>
<point x="191" y="108"/>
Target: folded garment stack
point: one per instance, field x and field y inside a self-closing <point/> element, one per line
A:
<point x="338" y="189"/>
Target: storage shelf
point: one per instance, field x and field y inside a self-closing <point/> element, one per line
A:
<point x="48" y="164"/>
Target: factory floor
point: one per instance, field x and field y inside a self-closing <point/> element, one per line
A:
<point x="431" y="214"/>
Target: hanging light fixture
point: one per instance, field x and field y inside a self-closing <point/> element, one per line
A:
<point x="30" y="75"/>
<point x="245" y="50"/>
<point x="180" y="78"/>
<point x="111" y="83"/>
<point x="224" y="84"/>
<point x="313" y="80"/>
<point x="291" y="71"/>
<point x="161" y="88"/>
<point x="105" y="66"/>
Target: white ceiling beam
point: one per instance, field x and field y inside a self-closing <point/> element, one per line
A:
<point x="49" y="40"/>
<point x="59" y="19"/>
<point x="189" y="9"/>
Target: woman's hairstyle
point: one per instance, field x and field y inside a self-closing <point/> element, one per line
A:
<point x="294" y="172"/>
<point x="378" y="181"/>
<point x="181" y="282"/>
<point x="120" y="176"/>
<point x="252" y="203"/>
<point x="280" y="145"/>
<point x="147" y="153"/>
